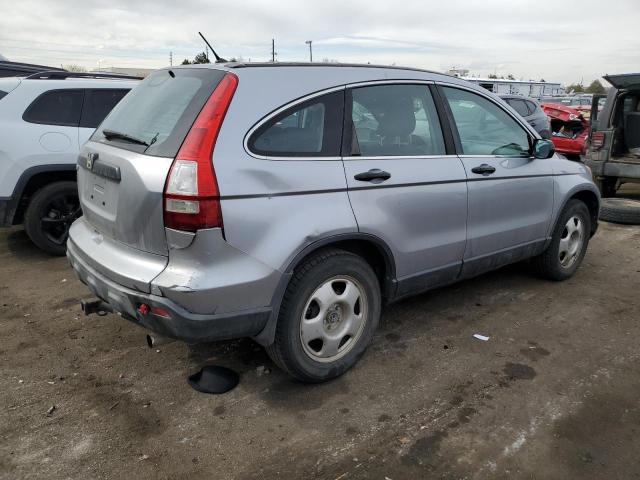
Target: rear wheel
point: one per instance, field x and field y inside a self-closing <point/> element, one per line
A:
<point x="328" y="316"/>
<point x="568" y="244"/>
<point x="49" y="216"/>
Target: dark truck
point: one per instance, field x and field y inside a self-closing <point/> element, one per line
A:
<point x="614" y="147"/>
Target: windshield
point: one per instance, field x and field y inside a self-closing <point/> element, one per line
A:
<point x="155" y="116"/>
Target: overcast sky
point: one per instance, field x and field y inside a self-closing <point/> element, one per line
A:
<point x="556" y="40"/>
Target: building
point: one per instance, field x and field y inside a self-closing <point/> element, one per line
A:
<point x="528" y="88"/>
<point x="135" y="72"/>
<point x="458" y="72"/>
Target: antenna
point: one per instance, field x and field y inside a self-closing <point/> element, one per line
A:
<point x="218" y="59"/>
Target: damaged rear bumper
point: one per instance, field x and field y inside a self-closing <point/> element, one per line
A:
<point x="175" y="322"/>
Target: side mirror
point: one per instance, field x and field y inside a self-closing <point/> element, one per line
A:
<point x="543" y="148"/>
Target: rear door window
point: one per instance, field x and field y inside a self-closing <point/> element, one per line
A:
<point x="483" y="127"/>
<point x="396" y="120"/>
<point x="160" y="110"/>
<point x="56" y="107"/>
<point x="309" y="129"/>
<point x="97" y="104"/>
<point x="2" y="94"/>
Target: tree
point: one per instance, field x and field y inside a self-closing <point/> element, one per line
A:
<point x="201" y="58"/>
<point x="575" y="88"/>
<point x="595" y="87"/>
<point x="493" y="75"/>
<point x="510" y="77"/>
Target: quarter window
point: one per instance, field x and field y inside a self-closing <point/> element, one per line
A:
<point x="395" y="120"/>
<point x="56" y="107"/>
<point x="484" y="128"/>
<point x="531" y="106"/>
<point x="310" y="129"/>
<point x="97" y="104"/>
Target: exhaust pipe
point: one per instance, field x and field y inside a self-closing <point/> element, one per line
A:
<point x="154" y="341"/>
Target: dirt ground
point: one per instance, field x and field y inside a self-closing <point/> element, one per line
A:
<point x="553" y="394"/>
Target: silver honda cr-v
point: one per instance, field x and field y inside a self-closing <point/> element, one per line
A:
<point x="289" y="202"/>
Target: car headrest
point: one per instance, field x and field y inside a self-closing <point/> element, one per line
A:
<point x="397" y="118"/>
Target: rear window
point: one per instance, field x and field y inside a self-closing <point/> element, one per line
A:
<point x="160" y="110"/>
<point x="519" y="106"/>
<point x="98" y="104"/>
<point x="56" y="107"/>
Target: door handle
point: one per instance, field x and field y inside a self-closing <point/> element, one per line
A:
<point x="374" y="175"/>
<point x="484" y="169"/>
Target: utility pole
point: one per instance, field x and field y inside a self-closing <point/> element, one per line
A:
<point x="309" y="42"/>
<point x="171" y="59"/>
<point x="273" y="50"/>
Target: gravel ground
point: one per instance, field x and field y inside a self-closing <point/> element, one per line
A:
<point x="553" y="394"/>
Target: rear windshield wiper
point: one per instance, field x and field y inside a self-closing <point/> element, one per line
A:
<point x="109" y="134"/>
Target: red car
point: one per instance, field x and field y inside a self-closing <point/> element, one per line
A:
<point x="569" y="129"/>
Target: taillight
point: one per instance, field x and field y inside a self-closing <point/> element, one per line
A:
<point x="191" y="195"/>
<point x="597" y="140"/>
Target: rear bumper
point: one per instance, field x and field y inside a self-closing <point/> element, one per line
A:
<point x="621" y="170"/>
<point x="181" y="324"/>
<point x="613" y="169"/>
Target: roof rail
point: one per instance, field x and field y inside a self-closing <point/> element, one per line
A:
<point x="61" y="75"/>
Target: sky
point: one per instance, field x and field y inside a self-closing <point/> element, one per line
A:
<point x="530" y="39"/>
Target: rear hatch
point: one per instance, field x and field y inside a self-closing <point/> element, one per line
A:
<point x="124" y="166"/>
<point x="626" y="81"/>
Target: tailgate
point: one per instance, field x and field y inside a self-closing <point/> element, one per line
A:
<point x="123" y="168"/>
<point x="625" y="81"/>
<point x="121" y="195"/>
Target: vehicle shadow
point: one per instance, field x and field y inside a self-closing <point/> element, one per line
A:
<point x="412" y="316"/>
<point x="20" y="246"/>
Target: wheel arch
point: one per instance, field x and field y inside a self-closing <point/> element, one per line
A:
<point x="32" y="180"/>
<point x="370" y="247"/>
<point x="592" y="201"/>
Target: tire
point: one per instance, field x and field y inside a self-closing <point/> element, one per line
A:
<point x="620" y="210"/>
<point x="607" y="186"/>
<point x="50" y="213"/>
<point x="560" y="260"/>
<point x="311" y="341"/>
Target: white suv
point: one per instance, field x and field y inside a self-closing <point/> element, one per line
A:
<point x="44" y="120"/>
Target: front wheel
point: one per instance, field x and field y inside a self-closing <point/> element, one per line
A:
<point x="328" y="316"/>
<point x="568" y="244"/>
<point x="49" y="216"/>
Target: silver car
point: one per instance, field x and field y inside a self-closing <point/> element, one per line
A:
<point x="531" y="111"/>
<point x="290" y="202"/>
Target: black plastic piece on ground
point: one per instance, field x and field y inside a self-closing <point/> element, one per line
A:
<point x="214" y="379"/>
<point x="95" y="306"/>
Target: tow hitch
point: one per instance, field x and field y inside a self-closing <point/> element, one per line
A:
<point x="95" y="305"/>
